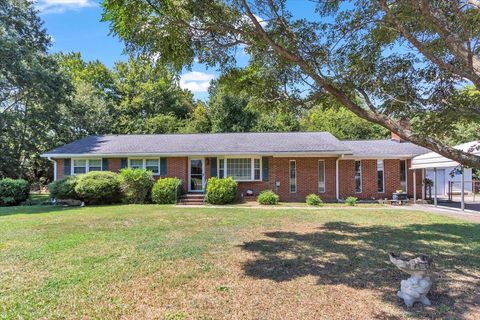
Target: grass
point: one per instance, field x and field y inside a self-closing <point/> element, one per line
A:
<point x="166" y="262"/>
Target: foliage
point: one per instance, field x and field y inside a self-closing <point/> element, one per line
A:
<point x="13" y="191"/>
<point x="313" y="200"/>
<point x="166" y="190"/>
<point x="98" y="187"/>
<point x="268" y="197"/>
<point x="64" y="188"/>
<point x="342" y="123"/>
<point x="351" y="201"/>
<point x="373" y="57"/>
<point x="31" y="91"/>
<point x="135" y="184"/>
<point x="221" y="190"/>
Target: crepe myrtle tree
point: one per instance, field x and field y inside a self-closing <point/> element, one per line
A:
<point x="384" y="60"/>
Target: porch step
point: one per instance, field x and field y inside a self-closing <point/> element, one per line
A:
<point x="191" y="199"/>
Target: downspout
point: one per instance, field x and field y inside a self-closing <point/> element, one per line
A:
<point x="54" y="168"/>
<point x="337" y="179"/>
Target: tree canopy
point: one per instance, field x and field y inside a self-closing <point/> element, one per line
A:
<point x="384" y="60"/>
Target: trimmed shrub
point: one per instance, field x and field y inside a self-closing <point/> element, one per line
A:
<point x="221" y="191"/>
<point x="98" y="187"/>
<point x="166" y="190"/>
<point x="64" y="188"/>
<point x="268" y="197"/>
<point x="313" y="200"/>
<point x="136" y="185"/>
<point x="13" y="191"/>
<point x="351" y="201"/>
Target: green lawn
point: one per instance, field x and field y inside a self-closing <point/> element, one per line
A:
<point x="166" y="262"/>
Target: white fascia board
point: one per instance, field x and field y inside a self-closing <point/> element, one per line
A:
<point x="173" y="154"/>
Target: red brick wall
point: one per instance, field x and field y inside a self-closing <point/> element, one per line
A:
<point x="114" y="164"/>
<point x="307" y="177"/>
<point x="178" y="167"/>
<point x="369" y="179"/>
<point x="59" y="169"/>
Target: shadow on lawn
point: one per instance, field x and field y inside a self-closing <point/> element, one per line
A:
<point x="36" y="209"/>
<point x="357" y="256"/>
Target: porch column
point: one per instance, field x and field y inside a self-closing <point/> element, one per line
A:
<point x="423" y="184"/>
<point x="435" y="201"/>
<point x="414" y="185"/>
<point x="463" y="189"/>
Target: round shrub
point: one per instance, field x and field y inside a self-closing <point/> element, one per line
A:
<point x="64" y="188"/>
<point x="136" y="185"/>
<point x="313" y="200"/>
<point x="98" y="187"/>
<point x="351" y="201"/>
<point x="13" y="191"/>
<point x="166" y="190"/>
<point x="268" y="197"/>
<point x="221" y="191"/>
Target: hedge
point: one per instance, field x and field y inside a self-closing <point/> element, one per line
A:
<point x="98" y="187"/>
<point x="166" y="190"/>
<point x="136" y="185"/>
<point x="221" y="190"/>
<point x="13" y="191"/>
<point x="64" y="188"/>
<point x="268" y="197"/>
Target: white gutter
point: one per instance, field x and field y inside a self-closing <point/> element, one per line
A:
<point x="182" y="154"/>
<point x="54" y="168"/>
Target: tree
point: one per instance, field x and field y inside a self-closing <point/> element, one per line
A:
<point x="228" y="111"/>
<point x="31" y="91"/>
<point x="342" y="123"/>
<point x="384" y="60"/>
<point x="144" y="90"/>
<point x="198" y="121"/>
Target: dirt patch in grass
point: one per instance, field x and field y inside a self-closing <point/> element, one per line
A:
<point x="335" y="271"/>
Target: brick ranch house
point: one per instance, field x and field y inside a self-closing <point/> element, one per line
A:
<point x="292" y="164"/>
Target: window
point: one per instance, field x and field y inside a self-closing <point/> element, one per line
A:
<point x="293" y="176"/>
<point x="79" y="166"/>
<point x="256" y="169"/>
<point x="153" y="165"/>
<point x="358" y="176"/>
<point x="86" y="165"/>
<point x="136" y="163"/>
<point x="380" y="177"/>
<point x="221" y="168"/>
<point x="403" y="175"/>
<point x="147" y="164"/>
<point x="95" y="165"/>
<point x="321" y="176"/>
<point x="240" y="169"/>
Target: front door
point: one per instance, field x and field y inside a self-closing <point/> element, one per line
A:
<point x="196" y="176"/>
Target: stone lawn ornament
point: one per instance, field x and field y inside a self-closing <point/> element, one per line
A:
<point x="417" y="286"/>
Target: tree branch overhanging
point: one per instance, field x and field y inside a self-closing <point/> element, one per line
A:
<point x="375" y="117"/>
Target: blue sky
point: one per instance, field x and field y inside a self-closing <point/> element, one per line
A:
<point x="75" y="27"/>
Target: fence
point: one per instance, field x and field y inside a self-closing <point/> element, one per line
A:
<point x="472" y="191"/>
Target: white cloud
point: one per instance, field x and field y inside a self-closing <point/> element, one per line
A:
<point x="196" y="81"/>
<point x="59" y="6"/>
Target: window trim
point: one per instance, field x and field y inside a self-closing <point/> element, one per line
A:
<point x="324" y="177"/>
<point x="87" y="165"/>
<point x="252" y="167"/>
<point x="290" y="176"/>
<point x="355" y="176"/>
<point x="144" y="163"/>
<point x="383" y="175"/>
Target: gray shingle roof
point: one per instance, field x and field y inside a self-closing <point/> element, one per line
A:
<point x="235" y="143"/>
<point x="383" y="148"/>
<point x="211" y="144"/>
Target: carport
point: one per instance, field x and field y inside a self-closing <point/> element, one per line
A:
<point x="433" y="160"/>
